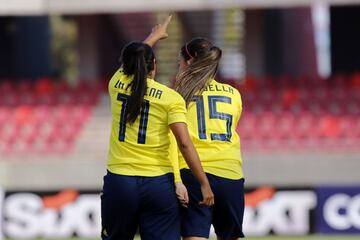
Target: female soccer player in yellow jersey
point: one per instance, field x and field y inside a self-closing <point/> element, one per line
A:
<point x="214" y="110"/>
<point x="138" y="189"/>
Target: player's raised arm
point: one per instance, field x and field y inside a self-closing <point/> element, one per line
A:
<point x="158" y="32"/>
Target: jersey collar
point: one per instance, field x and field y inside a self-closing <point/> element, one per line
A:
<point x="213" y="81"/>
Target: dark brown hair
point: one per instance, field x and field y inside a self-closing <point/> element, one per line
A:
<point x="137" y="59"/>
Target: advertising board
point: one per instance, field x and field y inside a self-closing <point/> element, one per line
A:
<point x="268" y="210"/>
<point x="338" y="210"/>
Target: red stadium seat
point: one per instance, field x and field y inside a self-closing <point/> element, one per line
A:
<point x="27" y="98"/>
<point x="48" y="99"/>
<point x="339" y="93"/>
<point x="24" y="86"/>
<point x="355" y="80"/>
<point x="6" y="87"/>
<point x="304" y="125"/>
<point x="5" y="115"/>
<point x="45" y="117"/>
<point x="289" y="97"/>
<point x="349" y="131"/>
<point x="246" y="126"/>
<point x="353" y="107"/>
<point x="335" y="107"/>
<point x="328" y="127"/>
<point x="9" y="99"/>
<point x="266" y="125"/>
<point x="44" y="86"/>
<point x="285" y="124"/>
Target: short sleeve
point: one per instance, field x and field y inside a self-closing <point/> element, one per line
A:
<point x="177" y="110"/>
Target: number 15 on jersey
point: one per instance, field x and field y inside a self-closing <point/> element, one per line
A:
<point x="213" y="114"/>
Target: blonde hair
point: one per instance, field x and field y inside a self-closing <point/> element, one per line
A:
<point x="196" y="76"/>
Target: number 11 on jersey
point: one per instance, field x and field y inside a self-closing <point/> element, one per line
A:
<point x="144" y="115"/>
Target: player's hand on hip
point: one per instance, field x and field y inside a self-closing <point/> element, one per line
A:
<point x="182" y="194"/>
<point x="208" y="196"/>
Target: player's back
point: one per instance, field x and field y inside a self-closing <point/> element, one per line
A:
<point x="141" y="148"/>
<point x="212" y="119"/>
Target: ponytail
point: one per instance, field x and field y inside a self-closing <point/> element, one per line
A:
<point x="138" y="60"/>
<point x="196" y="77"/>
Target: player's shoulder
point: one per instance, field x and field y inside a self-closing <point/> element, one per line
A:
<point x="226" y="88"/>
<point x="170" y="93"/>
<point x="226" y="85"/>
<point x="119" y="75"/>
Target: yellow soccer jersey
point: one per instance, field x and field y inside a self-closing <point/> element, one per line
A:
<point x="142" y="148"/>
<point x="212" y="119"/>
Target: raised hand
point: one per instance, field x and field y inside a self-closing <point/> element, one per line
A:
<point x="158" y="32"/>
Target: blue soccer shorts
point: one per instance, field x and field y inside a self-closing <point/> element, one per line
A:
<point x="149" y="204"/>
<point x="226" y="215"/>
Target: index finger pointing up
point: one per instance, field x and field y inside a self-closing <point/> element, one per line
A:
<point x="167" y="20"/>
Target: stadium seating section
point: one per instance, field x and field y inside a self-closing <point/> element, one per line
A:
<point x="300" y="113"/>
<point x="46" y="117"/>
<point x="43" y="117"/>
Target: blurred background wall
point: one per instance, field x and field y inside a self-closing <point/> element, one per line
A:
<point x="296" y="65"/>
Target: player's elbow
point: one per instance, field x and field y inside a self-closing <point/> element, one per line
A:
<point x="184" y="145"/>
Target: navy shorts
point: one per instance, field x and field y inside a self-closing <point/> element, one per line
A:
<point x="149" y="204"/>
<point x="226" y="215"/>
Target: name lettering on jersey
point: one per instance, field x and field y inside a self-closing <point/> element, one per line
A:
<point x="150" y="92"/>
<point x="217" y="88"/>
<point x="153" y="92"/>
<point x="122" y="85"/>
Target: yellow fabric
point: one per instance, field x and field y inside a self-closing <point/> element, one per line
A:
<point x="219" y="154"/>
<point x="151" y="157"/>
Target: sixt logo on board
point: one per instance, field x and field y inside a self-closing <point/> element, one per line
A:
<point x="65" y="214"/>
<point x="280" y="212"/>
